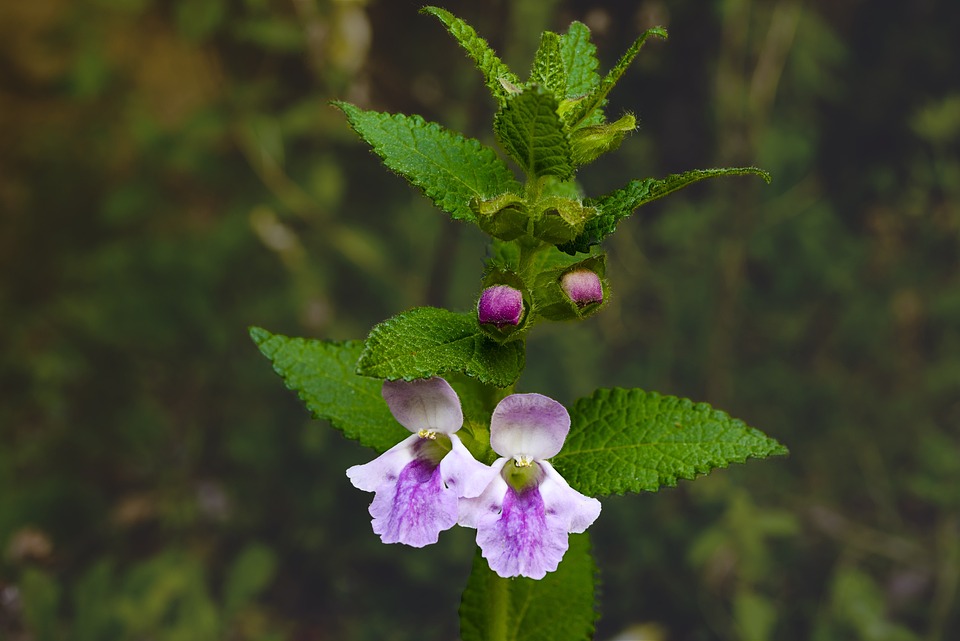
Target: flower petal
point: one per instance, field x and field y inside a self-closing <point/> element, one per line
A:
<point x="576" y="511"/>
<point x="424" y="404"/>
<point x="462" y="473"/>
<point x="530" y="424"/>
<point x="416" y="508"/>
<point x="523" y="540"/>
<point x="489" y="502"/>
<point x="385" y="468"/>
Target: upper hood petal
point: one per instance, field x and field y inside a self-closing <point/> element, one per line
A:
<point x="529" y="424"/>
<point x="424" y="404"/>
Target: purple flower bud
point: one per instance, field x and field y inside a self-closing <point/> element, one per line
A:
<point x="500" y="305"/>
<point x="582" y="286"/>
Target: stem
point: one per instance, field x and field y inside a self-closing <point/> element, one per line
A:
<point x="499" y="590"/>
<point x="527" y="253"/>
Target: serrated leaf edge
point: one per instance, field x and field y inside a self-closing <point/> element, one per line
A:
<point x="776" y="449"/>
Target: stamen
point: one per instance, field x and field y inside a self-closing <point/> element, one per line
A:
<point x="430" y="434"/>
<point x="523" y="460"/>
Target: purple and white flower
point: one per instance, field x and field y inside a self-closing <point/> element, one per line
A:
<point x="418" y="481"/>
<point x="524" y="516"/>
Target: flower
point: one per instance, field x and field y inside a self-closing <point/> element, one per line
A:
<point x="582" y="286"/>
<point x="500" y="305"/>
<point x="524" y="516"/>
<point x="418" y="481"/>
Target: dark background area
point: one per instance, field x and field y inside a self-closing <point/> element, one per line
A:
<point x="171" y="173"/>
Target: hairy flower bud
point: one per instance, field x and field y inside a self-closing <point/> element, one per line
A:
<point x="500" y="305"/>
<point x="582" y="286"/>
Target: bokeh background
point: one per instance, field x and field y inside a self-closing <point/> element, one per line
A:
<point x="171" y="173"/>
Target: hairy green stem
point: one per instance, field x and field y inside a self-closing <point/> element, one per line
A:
<point x="527" y="254"/>
<point x="499" y="605"/>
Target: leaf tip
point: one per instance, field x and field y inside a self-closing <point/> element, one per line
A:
<point x="659" y="32"/>
<point x="779" y="449"/>
<point x="259" y="335"/>
<point x="436" y="12"/>
<point x="344" y="106"/>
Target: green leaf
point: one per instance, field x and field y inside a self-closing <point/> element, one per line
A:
<point x="552" y="186"/>
<point x="504" y="217"/>
<point x="549" y="71"/>
<point x="323" y="374"/>
<point x="590" y="142"/>
<point x="598" y="94"/>
<point x="450" y="169"/>
<point x="560" y="219"/>
<point x="631" y="440"/>
<point x="530" y="131"/>
<point x="579" y="59"/>
<point x="495" y="72"/>
<point x="617" y="205"/>
<point x="427" y="341"/>
<point x="558" y="607"/>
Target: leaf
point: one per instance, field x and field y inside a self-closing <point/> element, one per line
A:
<point x="558" y="607"/>
<point x="504" y="217"/>
<point x="560" y="219"/>
<point x="495" y="72"/>
<point x="598" y="94"/>
<point x="450" y="170"/>
<point x="590" y="142"/>
<point x="530" y="131"/>
<point x="548" y="67"/>
<point x="428" y="341"/>
<point x="579" y="59"/>
<point x="323" y="374"/>
<point x="631" y="440"/>
<point x="619" y="204"/>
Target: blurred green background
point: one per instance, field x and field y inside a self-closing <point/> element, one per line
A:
<point x="171" y="173"/>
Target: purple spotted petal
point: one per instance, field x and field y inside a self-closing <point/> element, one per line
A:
<point x="386" y="467"/>
<point x="463" y="474"/>
<point x="574" y="510"/>
<point x="424" y="404"/>
<point x="524" y="540"/>
<point x="416" y="508"/>
<point x="528" y="424"/>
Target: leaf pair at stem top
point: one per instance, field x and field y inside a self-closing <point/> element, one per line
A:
<point x="550" y="125"/>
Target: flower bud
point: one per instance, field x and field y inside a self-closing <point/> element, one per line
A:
<point x="500" y="305"/>
<point x="582" y="286"/>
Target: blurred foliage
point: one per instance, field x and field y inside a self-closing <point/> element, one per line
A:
<point x="170" y="173"/>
